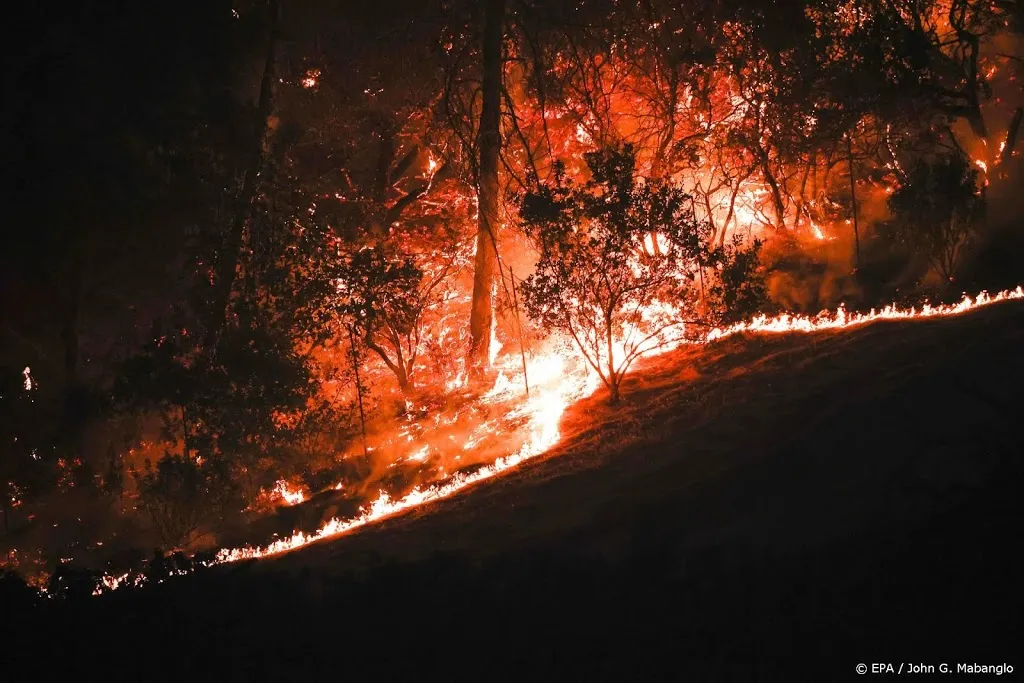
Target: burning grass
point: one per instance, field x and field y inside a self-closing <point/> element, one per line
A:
<point x="529" y="426"/>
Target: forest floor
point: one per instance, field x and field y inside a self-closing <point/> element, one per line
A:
<point x="769" y="508"/>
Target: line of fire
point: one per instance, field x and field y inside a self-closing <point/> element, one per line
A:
<point x="279" y="271"/>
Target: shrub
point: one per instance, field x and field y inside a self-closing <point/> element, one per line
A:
<point x="935" y="213"/>
<point x="617" y="261"/>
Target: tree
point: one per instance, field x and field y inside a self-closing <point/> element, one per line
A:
<point x="595" y="280"/>
<point x="233" y="405"/>
<point x="385" y="298"/>
<point x="179" y="493"/>
<point x="738" y="290"/>
<point x="489" y="144"/>
<point x="935" y="213"/>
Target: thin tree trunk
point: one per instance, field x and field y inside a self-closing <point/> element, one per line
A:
<point x="519" y="326"/>
<point x="613" y="378"/>
<point x="773" y="184"/>
<point x="359" y="389"/>
<point x="802" y="201"/>
<point x="1010" y="141"/>
<point x="853" y="201"/>
<point x="186" y="447"/>
<point x="482" y="311"/>
<point x="229" y="258"/>
<point x="728" y="217"/>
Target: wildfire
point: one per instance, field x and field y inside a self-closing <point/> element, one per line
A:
<point x="557" y="389"/>
<point x="843" y="319"/>
<point x="311" y="79"/>
<point x="291" y="495"/>
<point x="816" y="231"/>
<point x="557" y="379"/>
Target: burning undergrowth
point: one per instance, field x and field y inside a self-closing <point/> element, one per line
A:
<point x="440" y="450"/>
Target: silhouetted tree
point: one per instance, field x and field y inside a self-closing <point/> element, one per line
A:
<point x="596" y="280"/>
<point x="935" y="213"/>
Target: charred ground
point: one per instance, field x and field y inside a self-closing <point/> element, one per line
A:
<point x="766" y="508"/>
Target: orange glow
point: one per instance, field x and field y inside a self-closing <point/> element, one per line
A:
<point x="311" y="79"/>
<point x="557" y="379"/>
<point x="291" y="495"/>
<point x="553" y="388"/>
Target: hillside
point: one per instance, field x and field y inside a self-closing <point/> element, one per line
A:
<point x="770" y="507"/>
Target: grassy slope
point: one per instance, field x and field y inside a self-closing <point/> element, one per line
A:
<point x="769" y="508"/>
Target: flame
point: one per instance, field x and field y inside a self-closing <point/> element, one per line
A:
<point x="311" y="79"/>
<point x="982" y="165"/>
<point x="291" y="495"/>
<point x="420" y="455"/>
<point x="816" y="231"/>
<point x="843" y="319"/>
<point x="558" y="388"/>
<point x="557" y="379"/>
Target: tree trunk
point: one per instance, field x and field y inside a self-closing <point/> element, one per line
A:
<point x="519" y="326"/>
<point x="779" y="204"/>
<point x="728" y="217"/>
<point x="853" y="201"/>
<point x="487" y="193"/>
<point x="1010" y="141"/>
<point x="613" y="376"/>
<point x="403" y="373"/>
<point x="359" y="389"/>
<point x="228" y="259"/>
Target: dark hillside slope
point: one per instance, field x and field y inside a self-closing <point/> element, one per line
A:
<point x="774" y="508"/>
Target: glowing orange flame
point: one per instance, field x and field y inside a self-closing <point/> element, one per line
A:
<point x="545" y="408"/>
<point x="554" y="384"/>
<point x="291" y="495"/>
<point x="311" y="79"/>
<point x="843" y="319"/>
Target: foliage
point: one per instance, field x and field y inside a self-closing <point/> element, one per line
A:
<point x="739" y="291"/>
<point x="774" y="117"/>
<point x="230" y="404"/>
<point x="178" y="494"/>
<point x="618" y="259"/>
<point x="377" y="297"/>
<point x="936" y="212"/>
<point x="384" y="297"/>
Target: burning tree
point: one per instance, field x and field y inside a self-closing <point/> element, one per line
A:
<point x="618" y="259"/>
<point x="384" y="299"/>
<point x="936" y="212"/>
